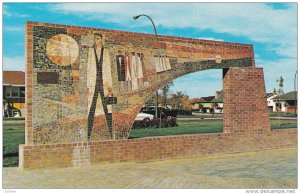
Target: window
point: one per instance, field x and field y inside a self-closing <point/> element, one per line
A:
<point x="22" y="92"/>
<point x="14" y="92"/>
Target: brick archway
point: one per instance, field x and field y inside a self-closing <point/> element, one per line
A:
<point x="109" y="77"/>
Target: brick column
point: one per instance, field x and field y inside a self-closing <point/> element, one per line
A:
<point x="245" y="102"/>
<point x="28" y="83"/>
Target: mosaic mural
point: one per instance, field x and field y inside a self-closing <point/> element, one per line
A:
<point x="89" y="84"/>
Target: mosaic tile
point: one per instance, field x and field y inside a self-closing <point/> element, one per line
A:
<point x="90" y="84"/>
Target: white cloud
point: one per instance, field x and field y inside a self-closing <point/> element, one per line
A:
<point x="211" y="38"/>
<point x="16" y="29"/>
<point x="274" y="69"/>
<point x="5" y="11"/>
<point x="8" y="13"/>
<point x="14" y="63"/>
<point x="256" y="21"/>
<point x="202" y="83"/>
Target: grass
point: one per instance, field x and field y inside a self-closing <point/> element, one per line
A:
<point x="282" y="114"/>
<point x="208" y="115"/>
<point x="201" y="116"/>
<point x="283" y="124"/>
<point x="197" y="127"/>
<point x="184" y="127"/>
<point x="14" y="134"/>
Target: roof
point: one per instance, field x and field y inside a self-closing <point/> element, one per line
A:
<point x="219" y="99"/>
<point x="208" y="98"/>
<point x="270" y="94"/>
<point x="193" y="100"/>
<point x="218" y="93"/>
<point x="205" y="99"/>
<point x="14" y="78"/>
<point x="288" y="96"/>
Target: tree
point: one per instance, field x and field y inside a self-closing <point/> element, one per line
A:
<point x="175" y="99"/>
<point x="279" y="92"/>
<point x="165" y="92"/>
<point x="185" y="102"/>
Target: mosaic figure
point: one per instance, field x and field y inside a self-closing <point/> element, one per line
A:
<point x="99" y="86"/>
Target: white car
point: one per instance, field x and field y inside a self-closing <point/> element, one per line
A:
<point x="143" y="117"/>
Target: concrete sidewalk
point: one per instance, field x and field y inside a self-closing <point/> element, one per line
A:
<point x="264" y="169"/>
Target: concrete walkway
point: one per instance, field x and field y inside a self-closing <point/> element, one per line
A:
<point x="264" y="169"/>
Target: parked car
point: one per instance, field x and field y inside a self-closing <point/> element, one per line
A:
<point x="144" y="117"/>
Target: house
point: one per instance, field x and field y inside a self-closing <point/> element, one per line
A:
<point x="193" y="104"/>
<point x="217" y="102"/>
<point x="271" y="102"/>
<point x="286" y="102"/>
<point x="202" y="104"/>
<point x="14" y="91"/>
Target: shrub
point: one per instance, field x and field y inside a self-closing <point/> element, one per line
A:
<point x="155" y="123"/>
<point x="184" y="112"/>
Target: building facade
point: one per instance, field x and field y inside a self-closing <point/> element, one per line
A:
<point x="13" y="93"/>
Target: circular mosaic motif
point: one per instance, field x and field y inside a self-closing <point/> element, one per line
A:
<point x="62" y="50"/>
<point x="218" y="59"/>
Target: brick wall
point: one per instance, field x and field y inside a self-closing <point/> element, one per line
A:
<point x="152" y="148"/>
<point x="245" y="105"/>
<point x="62" y="101"/>
<point x="59" y="108"/>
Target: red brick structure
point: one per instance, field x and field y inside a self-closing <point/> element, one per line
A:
<point x="152" y="148"/>
<point x="82" y="98"/>
<point x="245" y="105"/>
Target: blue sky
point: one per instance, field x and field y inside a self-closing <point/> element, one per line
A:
<point x="270" y="27"/>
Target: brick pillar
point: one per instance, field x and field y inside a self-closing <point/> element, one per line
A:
<point x="245" y="102"/>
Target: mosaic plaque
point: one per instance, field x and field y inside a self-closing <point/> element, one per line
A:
<point x="47" y="77"/>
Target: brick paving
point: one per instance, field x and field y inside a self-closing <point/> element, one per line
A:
<point x="264" y="169"/>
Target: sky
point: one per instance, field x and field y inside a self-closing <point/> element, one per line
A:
<point x="270" y="27"/>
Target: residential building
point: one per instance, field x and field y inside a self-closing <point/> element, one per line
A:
<point x="271" y="102"/>
<point x="194" y="105"/>
<point x="286" y="102"/>
<point x="14" y="90"/>
<point x="217" y="102"/>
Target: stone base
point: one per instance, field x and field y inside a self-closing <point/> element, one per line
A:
<point x="152" y="148"/>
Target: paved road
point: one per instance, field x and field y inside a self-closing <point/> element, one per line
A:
<point x="264" y="169"/>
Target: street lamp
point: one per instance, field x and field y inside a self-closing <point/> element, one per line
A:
<point x="137" y="16"/>
<point x="156" y="99"/>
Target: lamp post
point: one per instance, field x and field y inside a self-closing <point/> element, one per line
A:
<point x="156" y="99"/>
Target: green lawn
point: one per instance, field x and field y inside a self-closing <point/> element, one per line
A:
<point x="283" y="124"/>
<point x="208" y="115"/>
<point x="196" y="127"/>
<point x="282" y="114"/>
<point x="13" y="134"/>
<point x="201" y="116"/>
<point x="184" y="127"/>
